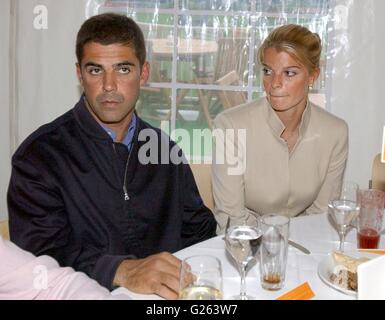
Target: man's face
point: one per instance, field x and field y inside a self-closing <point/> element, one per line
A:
<point x="111" y="78"/>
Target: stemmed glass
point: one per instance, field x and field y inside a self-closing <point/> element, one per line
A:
<point x="243" y="242"/>
<point x="344" y="208"/>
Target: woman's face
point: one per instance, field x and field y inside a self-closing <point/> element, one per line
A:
<point x="286" y="81"/>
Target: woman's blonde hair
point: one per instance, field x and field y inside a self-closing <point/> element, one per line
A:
<point x="298" y="41"/>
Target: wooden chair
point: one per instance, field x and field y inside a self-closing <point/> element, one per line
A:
<point x="378" y="173"/>
<point x="231" y="68"/>
<point x="202" y="175"/>
<point x="4" y="229"/>
<point x="227" y="99"/>
<point x="232" y="55"/>
<point x="152" y="99"/>
<point x="230" y="98"/>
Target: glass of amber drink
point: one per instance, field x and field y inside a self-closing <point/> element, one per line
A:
<point x="371" y="203"/>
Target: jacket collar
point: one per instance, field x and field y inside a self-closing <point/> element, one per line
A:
<point x="90" y="126"/>
<point x="276" y="124"/>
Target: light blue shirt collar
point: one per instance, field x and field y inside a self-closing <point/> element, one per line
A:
<point x="130" y="133"/>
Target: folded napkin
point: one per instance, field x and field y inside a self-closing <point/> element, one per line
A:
<point x="302" y="292"/>
<point x="371" y="279"/>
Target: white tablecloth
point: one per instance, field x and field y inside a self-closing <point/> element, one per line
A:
<point x="314" y="232"/>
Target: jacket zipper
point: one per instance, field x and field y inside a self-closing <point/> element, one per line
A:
<point x="126" y="196"/>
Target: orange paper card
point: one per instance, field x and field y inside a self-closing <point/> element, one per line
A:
<point x="302" y="292"/>
<point x="376" y="251"/>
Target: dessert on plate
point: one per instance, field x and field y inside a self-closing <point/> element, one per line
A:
<point x="344" y="273"/>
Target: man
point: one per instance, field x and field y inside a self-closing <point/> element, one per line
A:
<point x="79" y="190"/>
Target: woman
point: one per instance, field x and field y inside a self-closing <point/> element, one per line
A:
<point x="294" y="151"/>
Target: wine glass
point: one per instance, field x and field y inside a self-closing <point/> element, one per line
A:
<point x="243" y="242"/>
<point x="343" y="208"/>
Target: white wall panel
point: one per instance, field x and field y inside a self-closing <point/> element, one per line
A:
<point x="47" y="84"/>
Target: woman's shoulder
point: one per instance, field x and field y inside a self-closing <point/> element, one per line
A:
<point x="324" y="119"/>
<point x="241" y="115"/>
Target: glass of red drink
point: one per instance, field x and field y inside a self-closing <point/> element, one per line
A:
<point x="371" y="203"/>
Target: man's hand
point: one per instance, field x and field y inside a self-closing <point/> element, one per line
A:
<point x="157" y="274"/>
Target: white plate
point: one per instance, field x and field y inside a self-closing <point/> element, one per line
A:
<point x="326" y="266"/>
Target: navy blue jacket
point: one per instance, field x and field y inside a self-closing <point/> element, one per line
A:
<point x="66" y="197"/>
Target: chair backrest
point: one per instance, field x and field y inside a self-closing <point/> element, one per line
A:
<point x="232" y="55"/>
<point x="4" y="229"/>
<point x="378" y="173"/>
<point x="232" y="69"/>
<point x="230" y="98"/>
<point x="202" y="175"/>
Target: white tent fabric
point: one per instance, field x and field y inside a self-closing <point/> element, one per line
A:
<point x="46" y="84"/>
<point x="5" y="140"/>
<point x="356" y="90"/>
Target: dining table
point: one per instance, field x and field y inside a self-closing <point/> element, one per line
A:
<point x="164" y="47"/>
<point x="314" y="232"/>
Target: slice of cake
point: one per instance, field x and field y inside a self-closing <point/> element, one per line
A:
<point x="348" y="262"/>
<point x="344" y="273"/>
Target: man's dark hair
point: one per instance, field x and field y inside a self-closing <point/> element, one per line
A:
<point x="111" y="28"/>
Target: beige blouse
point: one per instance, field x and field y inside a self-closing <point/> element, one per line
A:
<point x="274" y="180"/>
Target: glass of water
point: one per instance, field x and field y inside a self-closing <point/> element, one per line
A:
<point x="243" y="242"/>
<point x="344" y="208"/>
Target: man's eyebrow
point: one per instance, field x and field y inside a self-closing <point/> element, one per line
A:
<point x="124" y="63"/>
<point x="93" y="64"/>
<point x="120" y="64"/>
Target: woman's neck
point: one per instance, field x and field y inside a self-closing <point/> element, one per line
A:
<point x="291" y="118"/>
